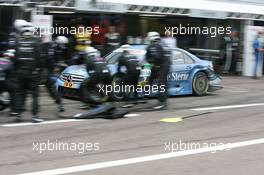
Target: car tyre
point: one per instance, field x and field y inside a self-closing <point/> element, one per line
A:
<point x="90" y="93"/>
<point x="200" y="84"/>
<point x="117" y="96"/>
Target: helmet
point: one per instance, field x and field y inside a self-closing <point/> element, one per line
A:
<point x="125" y="47"/>
<point x="27" y="29"/>
<point x="13" y="51"/>
<point x="153" y="36"/>
<point x="10" y="53"/>
<point x="18" y="23"/>
<point x="61" y="40"/>
<point x="91" y="51"/>
<point x="83" y="38"/>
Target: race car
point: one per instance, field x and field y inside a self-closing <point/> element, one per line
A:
<point x="188" y="74"/>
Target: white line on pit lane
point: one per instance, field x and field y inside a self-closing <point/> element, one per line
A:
<point x="228" y="107"/>
<point x="87" y="167"/>
<point x="55" y="121"/>
<point x="43" y="123"/>
<point x="132" y="115"/>
<point x="237" y="91"/>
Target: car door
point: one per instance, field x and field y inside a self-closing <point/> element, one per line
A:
<point x="179" y="79"/>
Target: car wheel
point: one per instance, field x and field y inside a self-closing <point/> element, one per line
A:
<point x="90" y="93"/>
<point x="200" y="84"/>
<point x="117" y="96"/>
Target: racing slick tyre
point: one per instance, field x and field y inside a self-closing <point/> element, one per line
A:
<point x="117" y="96"/>
<point x="200" y="84"/>
<point x="91" y="93"/>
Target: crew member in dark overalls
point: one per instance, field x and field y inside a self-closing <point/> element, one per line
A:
<point x="97" y="71"/>
<point x="112" y="40"/>
<point x="27" y="66"/>
<point x="131" y="75"/>
<point x="52" y="55"/>
<point x="82" y="43"/>
<point x="231" y="49"/>
<point x="159" y="55"/>
<point x="7" y="83"/>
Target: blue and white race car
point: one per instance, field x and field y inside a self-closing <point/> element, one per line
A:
<point x="188" y="74"/>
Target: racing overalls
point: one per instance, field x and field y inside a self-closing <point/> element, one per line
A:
<point x="78" y="58"/>
<point x="7" y="83"/>
<point x="98" y="73"/>
<point x="159" y="55"/>
<point x="51" y="56"/>
<point x="27" y="66"/>
<point x="82" y="43"/>
<point x="231" y="45"/>
<point x="12" y="40"/>
<point x="112" y="42"/>
<point x="131" y="76"/>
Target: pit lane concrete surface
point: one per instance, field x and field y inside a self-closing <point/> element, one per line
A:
<point x="218" y="134"/>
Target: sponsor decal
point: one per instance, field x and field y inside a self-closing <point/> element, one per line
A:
<point x="178" y="76"/>
<point x="68" y="82"/>
<point x="136" y="52"/>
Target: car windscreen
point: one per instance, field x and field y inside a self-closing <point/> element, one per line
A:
<point x="112" y="58"/>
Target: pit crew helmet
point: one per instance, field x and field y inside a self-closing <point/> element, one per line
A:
<point x="61" y="40"/>
<point x="153" y="36"/>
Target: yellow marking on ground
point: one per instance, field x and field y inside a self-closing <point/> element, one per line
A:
<point x="171" y="120"/>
